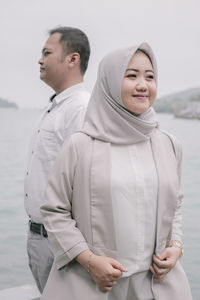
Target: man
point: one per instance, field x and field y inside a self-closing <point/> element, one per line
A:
<point x="63" y="63"/>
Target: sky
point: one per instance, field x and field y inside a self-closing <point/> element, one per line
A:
<point x="171" y="27"/>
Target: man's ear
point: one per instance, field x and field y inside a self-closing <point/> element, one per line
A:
<point x="73" y="59"/>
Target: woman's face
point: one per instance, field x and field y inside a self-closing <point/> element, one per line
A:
<point x="139" y="85"/>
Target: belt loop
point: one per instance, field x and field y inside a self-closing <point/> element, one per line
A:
<point x="44" y="232"/>
<point x="41" y="230"/>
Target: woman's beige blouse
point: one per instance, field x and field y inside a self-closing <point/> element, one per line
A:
<point x="134" y="186"/>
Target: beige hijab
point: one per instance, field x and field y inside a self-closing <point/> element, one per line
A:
<point x="107" y="119"/>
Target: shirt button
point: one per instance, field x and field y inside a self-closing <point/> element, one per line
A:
<point x="32" y="152"/>
<point x="26" y="173"/>
<point x="38" y="130"/>
<point x="26" y="195"/>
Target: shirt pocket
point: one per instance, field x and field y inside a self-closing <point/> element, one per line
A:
<point x="47" y="146"/>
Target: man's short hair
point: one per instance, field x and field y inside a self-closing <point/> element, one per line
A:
<point x="74" y="40"/>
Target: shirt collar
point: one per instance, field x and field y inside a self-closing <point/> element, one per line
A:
<point x="64" y="95"/>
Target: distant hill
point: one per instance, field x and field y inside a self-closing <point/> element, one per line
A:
<point x="6" y="104"/>
<point x="178" y="102"/>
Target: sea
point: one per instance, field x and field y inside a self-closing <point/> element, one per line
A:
<point x="15" y="130"/>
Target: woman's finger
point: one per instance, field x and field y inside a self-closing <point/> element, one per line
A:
<point x="159" y="277"/>
<point x="164" y="264"/>
<point x="106" y="289"/>
<point x="118" y="266"/>
<point x="152" y="270"/>
<point x="158" y="270"/>
<point x="111" y="283"/>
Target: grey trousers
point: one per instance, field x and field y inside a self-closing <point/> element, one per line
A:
<point x="40" y="258"/>
<point x="75" y="283"/>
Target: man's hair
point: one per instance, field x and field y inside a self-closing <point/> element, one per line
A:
<point x="74" y="40"/>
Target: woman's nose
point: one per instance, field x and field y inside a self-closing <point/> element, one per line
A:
<point x="141" y="86"/>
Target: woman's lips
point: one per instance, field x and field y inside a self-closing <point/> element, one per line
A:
<point x="142" y="97"/>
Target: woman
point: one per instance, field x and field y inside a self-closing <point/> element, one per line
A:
<point x="113" y="199"/>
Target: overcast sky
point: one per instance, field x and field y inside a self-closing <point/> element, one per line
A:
<point x="171" y="27"/>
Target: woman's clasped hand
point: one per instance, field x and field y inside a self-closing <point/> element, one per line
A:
<point x="164" y="262"/>
<point x="105" y="271"/>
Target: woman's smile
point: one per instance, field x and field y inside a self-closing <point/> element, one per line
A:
<point x="141" y="97"/>
<point x="138" y="86"/>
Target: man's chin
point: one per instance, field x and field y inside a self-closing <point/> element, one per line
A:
<point x="42" y="77"/>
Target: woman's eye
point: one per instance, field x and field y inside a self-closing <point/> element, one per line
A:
<point x="150" y="77"/>
<point x="131" y="75"/>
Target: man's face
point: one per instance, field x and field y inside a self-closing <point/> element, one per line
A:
<point x="53" y="66"/>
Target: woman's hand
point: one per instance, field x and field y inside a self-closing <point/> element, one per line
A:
<point x="164" y="262"/>
<point x="105" y="271"/>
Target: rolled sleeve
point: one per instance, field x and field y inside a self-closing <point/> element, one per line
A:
<point x="65" y="258"/>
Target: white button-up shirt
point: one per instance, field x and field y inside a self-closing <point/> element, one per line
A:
<point x="63" y="116"/>
<point x="134" y="187"/>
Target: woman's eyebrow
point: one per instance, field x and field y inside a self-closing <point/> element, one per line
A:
<point x="149" y="71"/>
<point x="136" y="70"/>
<point x="132" y="70"/>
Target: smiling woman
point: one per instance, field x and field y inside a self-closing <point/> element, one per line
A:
<point x="113" y="214"/>
<point x="139" y="85"/>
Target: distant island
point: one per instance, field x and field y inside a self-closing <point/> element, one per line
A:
<point x="6" y="104"/>
<point x="185" y="104"/>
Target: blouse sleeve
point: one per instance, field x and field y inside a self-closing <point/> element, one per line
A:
<point x="65" y="238"/>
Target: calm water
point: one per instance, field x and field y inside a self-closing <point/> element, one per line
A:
<point x="15" y="129"/>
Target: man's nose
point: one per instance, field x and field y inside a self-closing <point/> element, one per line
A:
<point x="40" y="61"/>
